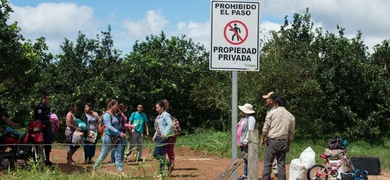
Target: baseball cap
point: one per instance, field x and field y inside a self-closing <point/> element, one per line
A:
<point x="268" y="95"/>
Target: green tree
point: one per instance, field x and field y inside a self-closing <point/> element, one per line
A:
<point x="21" y="65"/>
<point x="162" y="68"/>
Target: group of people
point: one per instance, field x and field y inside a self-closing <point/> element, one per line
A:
<point x="115" y="122"/>
<point x="277" y="135"/>
<point x="162" y="137"/>
<point x="117" y="125"/>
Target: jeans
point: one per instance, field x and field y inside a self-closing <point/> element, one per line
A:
<point x="106" y="148"/>
<point x="159" y="152"/>
<point x="245" y="149"/>
<point x="121" y="149"/>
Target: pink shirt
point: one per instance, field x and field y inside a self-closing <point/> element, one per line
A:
<point x="239" y="130"/>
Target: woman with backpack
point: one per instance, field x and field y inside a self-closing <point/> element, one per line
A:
<point x="164" y="131"/>
<point x="112" y="136"/>
<point x="170" y="151"/>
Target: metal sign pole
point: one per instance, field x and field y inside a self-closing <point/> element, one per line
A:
<point x="234" y="120"/>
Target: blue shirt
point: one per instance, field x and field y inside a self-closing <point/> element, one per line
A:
<point x="111" y="123"/>
<point x="138" y="119"/>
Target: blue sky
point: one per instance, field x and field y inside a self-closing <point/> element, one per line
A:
<point x="133" y="20"/>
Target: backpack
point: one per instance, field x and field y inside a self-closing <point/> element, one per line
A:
<point x="102" y="126"/>
<point x="176" y="126"/>
<point x="337" y="143"/>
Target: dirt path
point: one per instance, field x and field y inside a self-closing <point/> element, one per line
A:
<point x="189" y="165"/>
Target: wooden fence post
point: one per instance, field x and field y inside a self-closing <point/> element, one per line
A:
<point x="253" y="154"/>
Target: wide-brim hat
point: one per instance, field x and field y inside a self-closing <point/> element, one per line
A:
<point x="268" y="95"/>
<point x="247" y="108"/>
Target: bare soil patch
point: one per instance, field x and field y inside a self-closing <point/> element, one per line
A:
<point x="189" y="165"/>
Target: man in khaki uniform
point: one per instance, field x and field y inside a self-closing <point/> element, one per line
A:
<point x="277" y="136"/>
<point x="270" y="103"/>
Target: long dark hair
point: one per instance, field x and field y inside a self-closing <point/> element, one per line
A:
<point x="111" y="102"/>
<point x="72" y="105"/>
<point x="161" y="103"/>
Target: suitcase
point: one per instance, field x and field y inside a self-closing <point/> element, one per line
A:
<point x="370" y="164"/>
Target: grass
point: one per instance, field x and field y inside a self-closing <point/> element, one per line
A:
<point x="219" y="144"/>
<point x="209" y="143"/>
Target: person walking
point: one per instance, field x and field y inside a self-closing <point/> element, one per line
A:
<point x="246" y="124"/>
<point x="122" y="145"/>
<point x="111" y="132"/>
<point x="140" y="122"/>
<point x="92" y="119"/>
<point x="172" y="141"/>
<point x="270" y="103"/>
<point x="42" y="113"/>
<point x="278" y="133"/>
<point x="71" y="127"/>
<point x="164" y="130"/>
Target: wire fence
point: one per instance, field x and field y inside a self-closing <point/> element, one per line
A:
<point x="147" y="144"/>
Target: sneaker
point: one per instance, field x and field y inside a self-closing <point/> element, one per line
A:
<point x="242" y="177"/>
<point x="111" y="164"/>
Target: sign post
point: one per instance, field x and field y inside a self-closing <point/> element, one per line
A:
<point x="234" y="45"/>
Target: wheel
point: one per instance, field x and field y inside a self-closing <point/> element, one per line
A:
<point x="3" y="163"/>
<point x="8" y="157"/>
<point x="317" y="172"/>
<point x="38" y="154"/>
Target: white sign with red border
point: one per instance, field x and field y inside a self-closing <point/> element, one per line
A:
<point x="235" y="35"/>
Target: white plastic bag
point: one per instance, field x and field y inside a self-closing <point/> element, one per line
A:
<point x="308" y="157"/>
<point x="297" y="170"/>
<point x="77" y="138"/>
<point x="299" y="167"/>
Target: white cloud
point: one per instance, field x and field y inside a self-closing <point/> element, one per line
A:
<point x="153" y="23"/>
<point x="369" y="17"/>
<point x="198" y="32"/>
<point x="54" y="21"/>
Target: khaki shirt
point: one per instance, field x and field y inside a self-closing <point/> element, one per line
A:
<point x="279" y="124"/>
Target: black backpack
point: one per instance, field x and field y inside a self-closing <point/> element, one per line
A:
<point x="337" y="143"/>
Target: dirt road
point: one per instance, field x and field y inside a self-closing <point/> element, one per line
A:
<point x="189" y="165"/>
